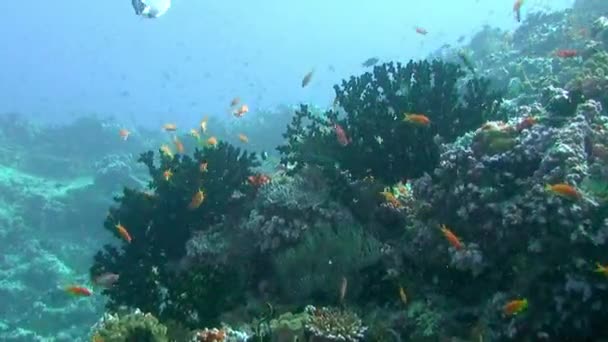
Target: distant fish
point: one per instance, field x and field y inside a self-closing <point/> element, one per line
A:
<point x="341" y="135"/>
<point x="402" y="295"/>
<point x="564" y="190"/>
<point x="78" y="291"/>
<point x="204" y="124"/>
<point x="343" y="289"/>
<point x="515" y="307"/>
<point x="203" y="166"/>
<point x="178" y="145"/>
<point x="169" y="127"/>
<point x="451" y="237"/>
<point x="370" y="62"/>
<point x="123" y="232"/>
<point x="197" y="200"/>
<point x="124" y="134"/>
<point x="212" y="141"/>
<point x="517" y="9"/>
<point x="566" y="53"/>
<point x="421" y="30"/>
<point x="235" y="101"/>
<point x="417" y="119"/>
<point x="151" y="8"/>
<point x="601" y="269"/>
<point x="242" y="110"/>
<point x="460" y="39"/>
<point x="243" y="138"/>
<point x="307" y="78"/>
<point x="167" y="174"/>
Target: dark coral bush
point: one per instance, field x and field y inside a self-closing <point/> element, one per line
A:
<point x="153" y="276"/>
<point x="381" y="144"/>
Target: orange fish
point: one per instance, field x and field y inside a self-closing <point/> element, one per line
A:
<point x="417" y="119"/>
<point x="307" y="78"/>
<point x="204" y="125"/>
<point x="258" y="180"/>
<point x="195" y="134"/>
<point x="197" y="200"/>
<point x="601" y="269"/>
<point x="566" y="53"/>
<point x="451" y="237"/>
<point x="178" y="145"/>
<point x="517" y="9"/>
<point x="235" y="101"/>
<point x="123" y="232"/>
<point x="203" y="166"/>
<point x="526" y="123"/>
<point x="243" y="138"/>
<point x="421" y="30"/>
<point x="212" y="141"/>
<point x="515" y="306"/>
<point x="564" y="190"/>
<point x="390" y="198"/>
<point x="124" y="134"/>
<point x="166" y="150"/>
<point x="167" y="175"/>
<point x="79" y="291"/>
<point x="239" y="112"/>
<point x="169" y="127"/>
<point x="402" y="295"/>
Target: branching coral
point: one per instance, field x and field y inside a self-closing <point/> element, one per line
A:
<point x="331" y="324"/>
<point x="160" y="224"/>
<point x="375" y="104"/>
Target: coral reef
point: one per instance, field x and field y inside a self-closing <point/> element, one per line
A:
<point x="425" y="200"/>
<point x="374" y="105"/>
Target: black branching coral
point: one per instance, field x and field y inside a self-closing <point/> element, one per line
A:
<point x="381" y="143"/>
<point x="161" y="221"/>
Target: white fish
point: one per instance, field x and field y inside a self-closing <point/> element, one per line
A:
<point x="151" y="8"/>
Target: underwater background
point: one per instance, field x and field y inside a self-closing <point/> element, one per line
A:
<point x="304" y="171"/>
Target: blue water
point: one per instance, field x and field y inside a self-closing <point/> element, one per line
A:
<point x="63" y="59"/>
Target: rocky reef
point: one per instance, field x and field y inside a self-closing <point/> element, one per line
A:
<point x="56" y="185"/>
